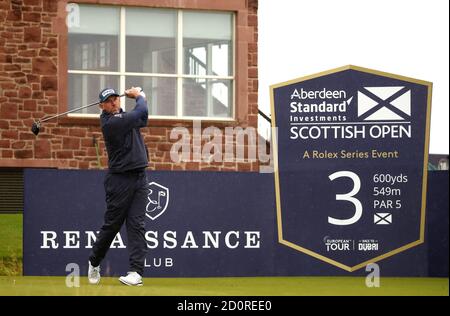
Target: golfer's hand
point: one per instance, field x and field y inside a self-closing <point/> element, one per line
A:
<point x="134" y="92"/>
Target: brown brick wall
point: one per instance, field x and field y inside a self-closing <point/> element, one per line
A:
<point x="33" y="84"/>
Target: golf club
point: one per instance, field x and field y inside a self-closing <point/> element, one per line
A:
<point x="35" y="128"/>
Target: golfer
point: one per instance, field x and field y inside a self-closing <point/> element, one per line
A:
<point x="126" y="184"/>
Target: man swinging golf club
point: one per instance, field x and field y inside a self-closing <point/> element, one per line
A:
<point x="126" y="184"/>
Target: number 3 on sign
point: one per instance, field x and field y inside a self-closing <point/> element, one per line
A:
<point x="348" y="197"/>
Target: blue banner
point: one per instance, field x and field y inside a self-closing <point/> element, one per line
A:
<point x="351" y="164"/>
<point x="213" y="225"/>
<point x="196" y="224"/>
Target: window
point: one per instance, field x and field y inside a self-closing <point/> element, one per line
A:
<point x="184" y="60"/>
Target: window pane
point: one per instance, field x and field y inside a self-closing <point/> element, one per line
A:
<point x="151" y="40"/>
<point x="207" y="97"/>
<point x="207" y="43"/>
<point x="222" y="98"/>
<point x="94" y="43"/>
<point x="161" y="94"/>
<point x="84" y="89"/>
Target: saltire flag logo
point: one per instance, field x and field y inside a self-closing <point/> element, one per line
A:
<point x="384" y="103"/>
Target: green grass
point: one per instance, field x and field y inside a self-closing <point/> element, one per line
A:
<point x="11" y="244"/>
<point x="260" y="286"/>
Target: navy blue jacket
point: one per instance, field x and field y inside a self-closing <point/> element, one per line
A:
<point x="123" y="140"/>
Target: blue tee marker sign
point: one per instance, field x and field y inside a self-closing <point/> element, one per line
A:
<point x="351" y="162"/>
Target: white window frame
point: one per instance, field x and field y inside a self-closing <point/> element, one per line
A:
<point x="122" y="73"/>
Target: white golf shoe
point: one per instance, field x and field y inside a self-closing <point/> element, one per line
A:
<point x="132" y="279"/>
<point x="93" y="274"/>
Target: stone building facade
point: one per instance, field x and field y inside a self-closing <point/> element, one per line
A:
<point x="35" y="83"/>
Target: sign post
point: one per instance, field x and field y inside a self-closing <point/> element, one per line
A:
<point x="351" y="164"/>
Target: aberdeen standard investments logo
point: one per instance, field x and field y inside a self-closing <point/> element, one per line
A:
<point x="331" y="113"/>
<point x="158" y="200"/>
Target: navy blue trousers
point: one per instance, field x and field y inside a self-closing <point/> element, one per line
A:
<point x="126" y="197"/>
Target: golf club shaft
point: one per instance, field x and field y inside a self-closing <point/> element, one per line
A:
<point x="73" y="110"/>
